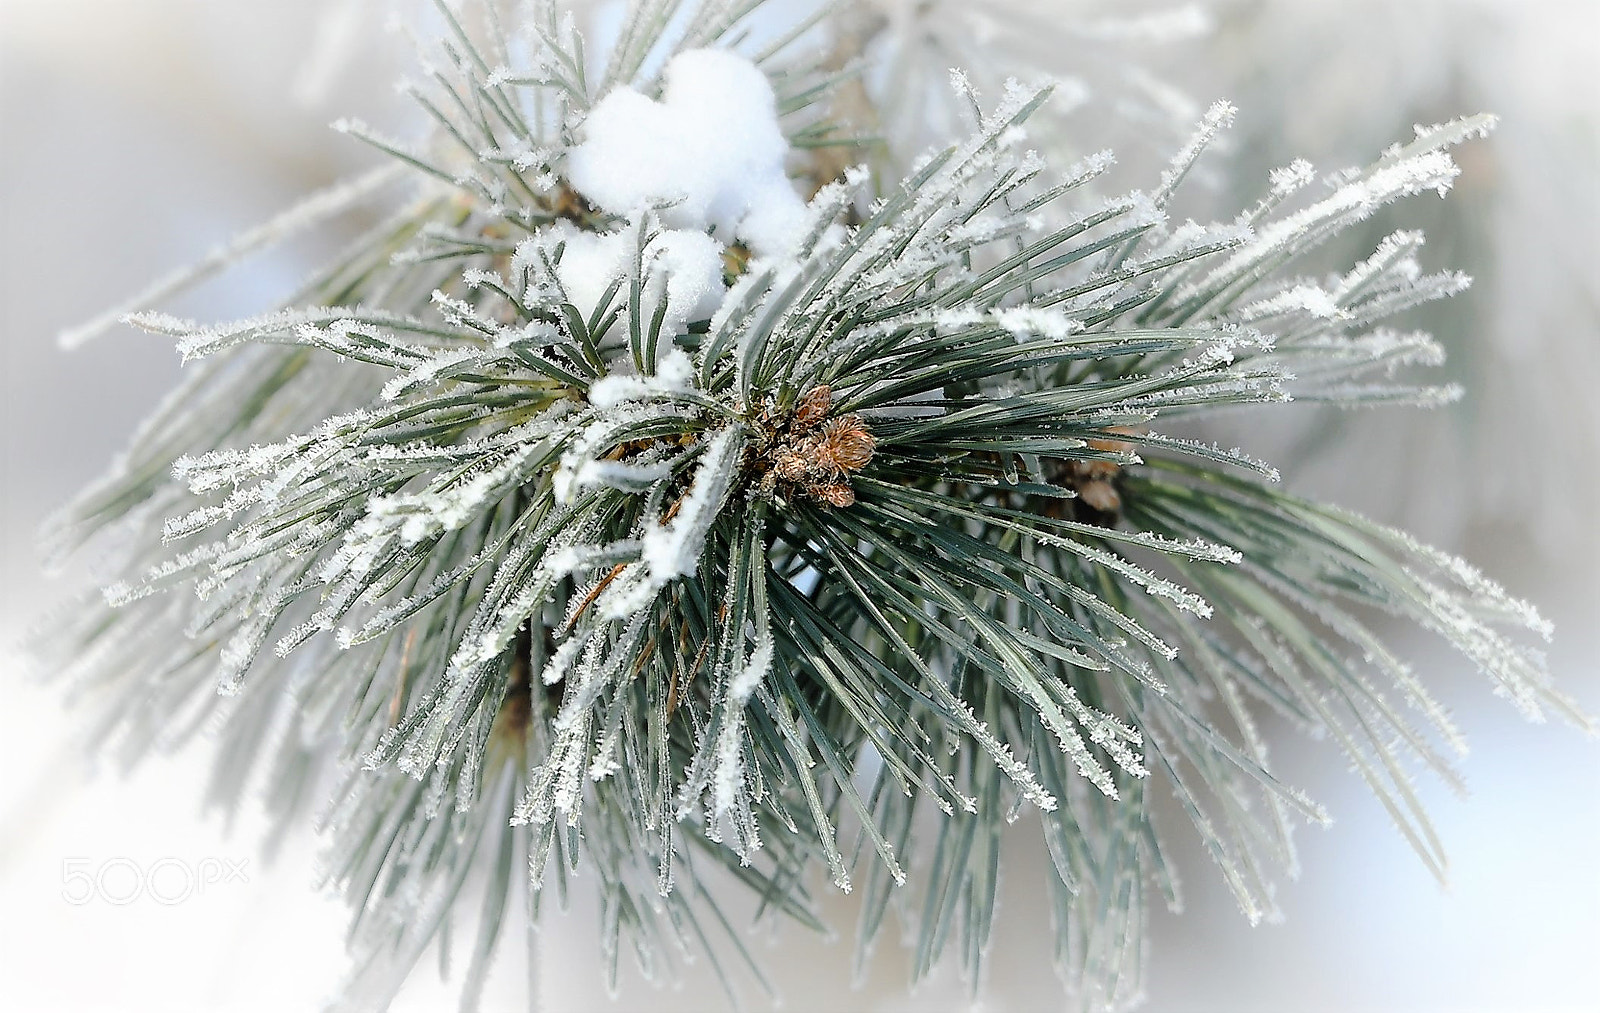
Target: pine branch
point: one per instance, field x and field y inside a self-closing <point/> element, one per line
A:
<point x="650" y="519"/>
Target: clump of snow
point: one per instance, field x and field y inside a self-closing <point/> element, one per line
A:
<point x="1027" y="321"/>
<point x="744" y="682"/>
<point x="730" y="752"/>
<point x="684" y="267"/>
<point x="691" y="264"/>
<point x="711" y="147"/>
<point x="673" y="373"/>
<point x="673" y="549"/>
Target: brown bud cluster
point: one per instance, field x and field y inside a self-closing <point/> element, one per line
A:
<point x="812" y="455"/>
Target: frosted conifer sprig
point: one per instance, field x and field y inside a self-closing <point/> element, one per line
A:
<point x="595" y="514"/>
<point x="1104" y="59"/>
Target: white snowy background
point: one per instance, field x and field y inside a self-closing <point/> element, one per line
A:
<point x="136" y="134"/>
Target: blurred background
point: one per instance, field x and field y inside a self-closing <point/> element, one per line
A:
<point x="136" y="135"/>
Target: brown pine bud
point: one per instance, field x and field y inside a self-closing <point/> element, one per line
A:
<point x="790" y="466"/>
<point x="847" y="444"/>
<point x="1100" y="495"/>
<point x="838" y="494"/>
<point x="1095" y="470"/>
<point x="813" y="407"/>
